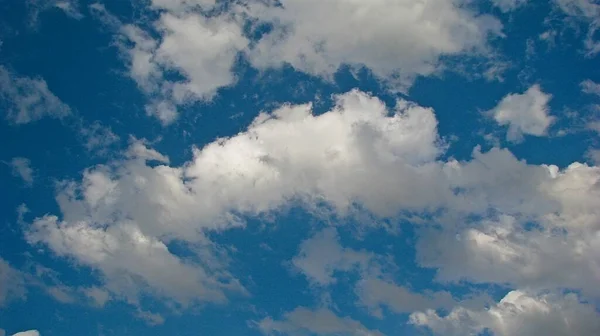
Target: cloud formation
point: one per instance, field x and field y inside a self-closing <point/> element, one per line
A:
<point x="28" y="99"/>
<point x="524" y="114"/>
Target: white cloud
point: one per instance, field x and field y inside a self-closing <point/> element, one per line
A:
<point x="322" y="255"/>
<point x="22" y="168"/>
<point x="525" y="113"/>
<point x="302" y="321"/>
<point x="323" y="260"/>
<point x="359" y="155"/>
<point x="590" y="87"/>
<point x="587" y="11"/>
<point x="202" y="50"/>
<point x="376" y="293"/>
<point x="12" y="283"/>
<point x="98" y="138"/>
<point x="28" y="333"/>
<point x="508" y="5"/>
<point x="131" y="262"/>
<point x="518" y="313"/>
<point x="397" y="39"/>
<point x="560" y="251"/>
<point x="29" y="99"/>
<point x="97" y="295"/>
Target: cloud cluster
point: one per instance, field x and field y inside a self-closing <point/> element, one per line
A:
<point x="397" y="41"/>
<point x="518" y="313"/>
<point x="492" y="219"/>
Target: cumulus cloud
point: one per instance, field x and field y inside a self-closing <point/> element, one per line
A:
<point x="526" y="113"/>
<point x="396" y="40"/>
<point x="518" y="313"/>
<point x="28" y="99"/>
<point x="302" y="321"/>
<point x="202" y="50"/>
<point x="554" y="249"/>
<point x="22" y="168"/>
<point x="499" y="219"/>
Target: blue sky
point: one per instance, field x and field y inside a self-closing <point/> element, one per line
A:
<point x="299" y="167"/>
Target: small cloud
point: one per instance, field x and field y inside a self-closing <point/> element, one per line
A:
<point x="29" y="99"/>
<point x="590" y="87"/>
<point x="98" y="138"/>
<point x="21" y="167"/>
<point x="525" y="113"/>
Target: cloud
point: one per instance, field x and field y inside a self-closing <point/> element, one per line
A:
<point x="98" y="138"/>
<point x="37" y="7"/>
<point x="590" y="87"/>
<point x="302" y="321"/>
<point x="497" y="219"/>
<point x="22" y="168"/>
<point x="322" y="255"/>
<point x="28" y="99"/>
<point x="586" y="11"/>
<point x="28" y="333"/>
<point x="323" y="261"/>
<point x="202" y="50"/>
<point x="518" y="313"/>
<point x="508" y="5"/>
<point x="12" y="283"/>
<point x="397" y="40"/>
<point x="315" y="37"/>
<point x="525" y="113"/>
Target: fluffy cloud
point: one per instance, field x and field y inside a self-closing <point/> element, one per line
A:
<point x="315" y="37"/>
<point x="302" y="321"/>
<point x="202" y="50"/>
<point x="22" y="168"/>
<point x="525" y="113"/>
<point x="397" y="40"/>
<point x="12" y="283"/>
<point x="518" y="313"/>
<point x="499" y="219"/>
<point x="28" y="99"/>
<point x="322" y="255"/>
<point x="554" y="249"/>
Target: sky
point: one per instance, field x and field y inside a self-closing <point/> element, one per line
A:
<point x="299" y="167"/>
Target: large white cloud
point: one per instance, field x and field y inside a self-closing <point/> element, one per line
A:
<point x="526" y="113"/>
<point x="518" y="313"/>
<point x="396" y="39"/>
<point x="500" y="220"/>
<point x="28" y="99"/>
